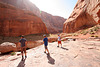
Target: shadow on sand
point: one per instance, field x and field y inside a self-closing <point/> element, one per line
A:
<point x="50" y="59"/>
<point x="22" y="63"/>
<point x="64" y="48"/>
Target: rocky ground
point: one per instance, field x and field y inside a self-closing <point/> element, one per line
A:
<point x="79" y="53"/>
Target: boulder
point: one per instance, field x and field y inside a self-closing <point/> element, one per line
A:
<point x="52" y="39"/>
<point x="7" y="47"/>
<point x="86" y="13"/>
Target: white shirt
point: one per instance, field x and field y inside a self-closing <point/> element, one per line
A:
<point x="59" y="39"/>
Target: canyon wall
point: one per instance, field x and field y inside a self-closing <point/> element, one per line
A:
<point x="86" y="13"/>
<point x="54" y="24"/>
<point x="16" y="22"/>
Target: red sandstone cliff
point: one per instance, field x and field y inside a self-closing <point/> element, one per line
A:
<point x="15" y="22"/>
<point x="85" y="14"/>
<point x="54" y="24"/>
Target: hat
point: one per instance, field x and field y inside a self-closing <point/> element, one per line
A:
<point x="22" y="36"/>
<point x="44" y="35"/>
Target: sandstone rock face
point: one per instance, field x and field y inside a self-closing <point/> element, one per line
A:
<point x="16" y="22"/>
<point x="54" y="24"/>
<point x="7" y="47"/>
<point x="85" y="14"/>
<point x="23" y="4"/>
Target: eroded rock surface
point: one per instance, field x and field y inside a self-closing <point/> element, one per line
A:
<point x="86" y="13"/>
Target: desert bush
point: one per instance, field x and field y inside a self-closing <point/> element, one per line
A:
<point x="92" y="35"/>
<point x="96" y="36"/>
<point x="74" y="34"/>
<point x="92" y="32"/>
<point x="12" y="53"/>
<point x="96" y="28"/>
<point x="69" y="34"/>
<point x="84" y="32"/>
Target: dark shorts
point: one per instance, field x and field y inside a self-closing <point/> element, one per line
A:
<point x="46" y="47"/>
<point x="59" y="42"/>
<point x="23" y="49"/>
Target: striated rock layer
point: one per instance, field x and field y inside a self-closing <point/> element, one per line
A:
<point x="85" y="14"/>
<point x="16" y="22"/>
<point x="54" y="24"/>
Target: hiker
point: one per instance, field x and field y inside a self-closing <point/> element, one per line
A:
<point x="45" y="41"/>
<point x="23" y="46"/>
<point x="59" y="41"/>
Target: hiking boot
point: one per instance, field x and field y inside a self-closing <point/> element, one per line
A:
<point x="44" y="52"/>
<point x="25" y="56"/>
<point x="22" y="58"/>
<point x="48" y="54"/>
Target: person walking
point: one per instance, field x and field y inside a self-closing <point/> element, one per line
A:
<point x="45" y="41"/>
<point x="23" y="46"/>
<point x="59" y="41"/>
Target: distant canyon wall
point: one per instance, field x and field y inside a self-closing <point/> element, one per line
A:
<point x="86" y="13"/>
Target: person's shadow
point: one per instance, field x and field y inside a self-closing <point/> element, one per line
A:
<point x="50" y="59"/>
<point x="22" y="63"/>
<point x="64" y="48"/>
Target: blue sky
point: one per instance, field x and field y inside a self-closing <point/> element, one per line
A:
<point x="61" y="8"/>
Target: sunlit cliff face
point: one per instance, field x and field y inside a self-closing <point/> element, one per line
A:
<point x="54" y="7"/>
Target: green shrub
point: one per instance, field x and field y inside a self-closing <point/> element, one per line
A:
<point x="69" y="34"/>
<point x="84" y="32"/>
<point x="96" y="36"/>
<point x="96" y="28"/>
<point x="75" y="34"/>
<point x="92" y="33"/>
<point x="12" y="53"/>
<point x="91" y="30"/>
